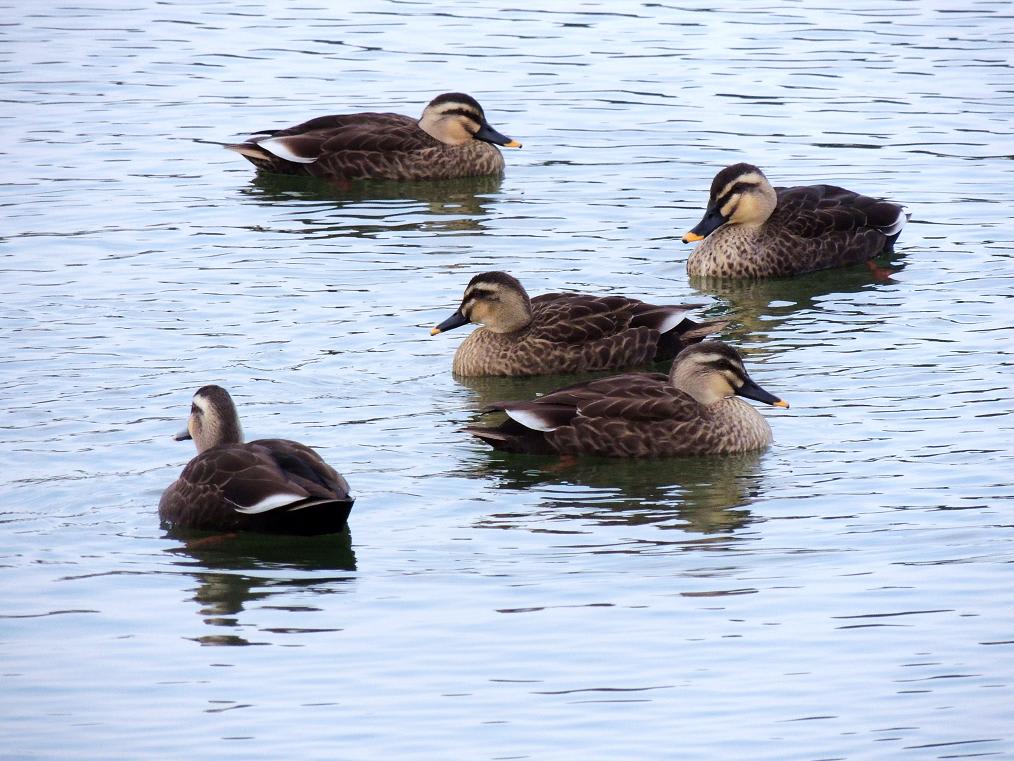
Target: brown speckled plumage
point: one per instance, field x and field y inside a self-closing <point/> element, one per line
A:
<point x="689" y="412"/>
<point x="268" y="485"/>
<point x="810" y="227"/>
<point x="565" y="332"/>
<point x="383" y="145"/>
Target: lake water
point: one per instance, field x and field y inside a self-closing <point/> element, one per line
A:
<point x="845" y="594"/>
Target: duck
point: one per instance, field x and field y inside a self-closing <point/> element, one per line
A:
<point x="451" y="139"/>
<point x="563" y="332"/>
<point x="269" y="485"/>
<point x="694" y="410"/>
<point x="753" y="230"/>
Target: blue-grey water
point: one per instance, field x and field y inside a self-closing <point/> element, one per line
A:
<point x="845" y="594"/>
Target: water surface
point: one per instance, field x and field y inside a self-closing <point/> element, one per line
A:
<point x="844" y="594"/>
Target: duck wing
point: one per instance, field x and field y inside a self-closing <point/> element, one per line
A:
<point x="595" y="417"/>
<point x="577" y="318"/>
<point x="835" y="226"/>
<point x="328" y="135"/>
<point x="813" y="210"/>
<point x="258" y="486"/>
<point x="615" y="331"/>
<point x="286" y="474"/>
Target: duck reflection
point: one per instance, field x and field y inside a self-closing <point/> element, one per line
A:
<point x="380" y="206"/>
<point x="704" y="495"/>
<point x="759" y="306"/>
<point x="234" y="570"/>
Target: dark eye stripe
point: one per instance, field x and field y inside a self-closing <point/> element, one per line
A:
<point x="462" y="112"/>
<point x="739" y="187"/>
<point x="725" y="365"/>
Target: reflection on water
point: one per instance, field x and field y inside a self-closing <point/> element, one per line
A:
<point x="489" y="389"/>
<point x="699" y="494"/>
<point x="222" y="565"/>
<point x="706" y="495"/>
<point x="758" y="307"/>
<point x="368" y="207"/>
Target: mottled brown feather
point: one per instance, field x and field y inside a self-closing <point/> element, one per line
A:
<point x="220" y="479"/>
<point x="572" y="333"/>
<point x="812" y="227"/>
<point x="629" y="415"/>
<point x="371" y="146"/>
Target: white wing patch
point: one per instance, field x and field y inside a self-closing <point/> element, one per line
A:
<point x="270" y="503"/>
<point x="898" y="223"/>
<point x="530" y="419"/>
<point x="277" y="146"/>
<point x="671" y="321"/>
<point x="315" y="502"/>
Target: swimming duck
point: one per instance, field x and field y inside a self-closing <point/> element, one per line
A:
<point x="692" y="411"/>
<point x="451" y="139"/>
<point x="269" y="485"/>
<point x="751" y="229"/>
<point x="564" y="332"/>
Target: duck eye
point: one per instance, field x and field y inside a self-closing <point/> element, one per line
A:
<point x="485" y="295"/>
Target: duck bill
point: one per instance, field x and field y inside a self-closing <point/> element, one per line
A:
<point x="752" y="391"/>
<point x="183" y="435"/>
<point x="710" y="222"/>
<point x="456" y="320"/>
<point x="490" y="135"/>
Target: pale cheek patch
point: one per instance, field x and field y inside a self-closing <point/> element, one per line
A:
<point x="730" y="206"/>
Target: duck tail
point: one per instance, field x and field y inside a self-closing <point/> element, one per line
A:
<point x="887" y="217"/>
<point x="250" y="150"/>
<point x="685" y="334"/>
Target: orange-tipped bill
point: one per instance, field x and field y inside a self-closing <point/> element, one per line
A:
<point x="752" y="391"/>
<point x="710" y="222"/>
<point x="456" y="320"/>
<point x="487" y="134"/>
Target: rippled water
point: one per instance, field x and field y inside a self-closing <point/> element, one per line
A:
<point x="845" y="594"/>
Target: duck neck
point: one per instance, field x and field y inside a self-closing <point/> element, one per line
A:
<point x="739" y="422"/>
<point x="220" y="433"/>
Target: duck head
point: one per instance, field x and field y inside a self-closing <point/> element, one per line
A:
<point x="740" y="195"/>
<point x="455" y="118"/>
<point x="495" y="300"/>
